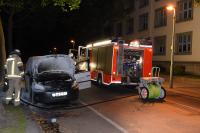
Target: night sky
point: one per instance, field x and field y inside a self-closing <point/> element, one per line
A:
<point x="39" y="31"/>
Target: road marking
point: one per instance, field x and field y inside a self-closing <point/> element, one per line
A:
<point x="184" y="106"/>
<point x="106" y="118"/>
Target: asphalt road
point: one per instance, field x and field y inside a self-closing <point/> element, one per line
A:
<point x="119" y="110"/>
<point x="123" y="111"/>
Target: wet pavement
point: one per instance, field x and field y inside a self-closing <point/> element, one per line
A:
<point x="170" y="116"/>
<point x="123" y="111"/>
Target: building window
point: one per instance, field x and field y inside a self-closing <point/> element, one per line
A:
<point x="143" y="3"/>
<point x="159" y="46"/>
<point x="184" y="43"/>
<point x="143" y="22"/>
<point x="129" y="26"/>
<point x="160" y="17"/>
<point x="119" y="29"/>
<point x="184" y="10"/>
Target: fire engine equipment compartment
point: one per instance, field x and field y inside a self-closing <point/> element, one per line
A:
<point x="132" y="66"/>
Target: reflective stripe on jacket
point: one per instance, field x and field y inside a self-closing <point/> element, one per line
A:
<point x="13" y="64"/>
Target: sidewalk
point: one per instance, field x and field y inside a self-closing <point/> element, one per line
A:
<point x="16" y="119"/>
<point x="183" y="85"/>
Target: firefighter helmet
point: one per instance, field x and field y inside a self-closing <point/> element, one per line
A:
<point x="16" y="51"/>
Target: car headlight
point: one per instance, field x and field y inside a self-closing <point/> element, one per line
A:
<point x="38" y="87"/>
<point x="75" y="85"/>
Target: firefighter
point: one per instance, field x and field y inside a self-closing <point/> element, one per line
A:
<point x="14" y="74"/>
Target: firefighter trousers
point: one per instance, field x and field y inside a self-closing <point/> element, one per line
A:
<point x="14" y="88"/>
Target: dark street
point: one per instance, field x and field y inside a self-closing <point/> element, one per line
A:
<point x="118" y="113"/>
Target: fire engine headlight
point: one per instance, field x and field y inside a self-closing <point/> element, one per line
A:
<point x="93" y="65"/>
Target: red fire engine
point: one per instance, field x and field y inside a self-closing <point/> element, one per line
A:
<point x="115" y="62"/>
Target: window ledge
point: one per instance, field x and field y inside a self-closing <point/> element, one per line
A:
<point x="189" y="53"/>
<point x="184" y="20"/>
<point x="160" y="26"/>
<point x="142" y="30"/>
<point x="159" y="54"/>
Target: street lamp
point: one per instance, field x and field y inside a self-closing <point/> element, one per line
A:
<point x="172" y="8"/>
<point x="73" y="43"/>
<point x="55" y="50"/>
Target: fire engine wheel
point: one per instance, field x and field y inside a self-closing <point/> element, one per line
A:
<point x="144" y="94"/>
<point x="99" y="80"/>
<point x="162" y="94"/>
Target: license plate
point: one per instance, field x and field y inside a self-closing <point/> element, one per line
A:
<point x="59" y="94"/>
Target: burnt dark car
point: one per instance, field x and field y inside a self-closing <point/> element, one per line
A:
<point x="51" y="79"/>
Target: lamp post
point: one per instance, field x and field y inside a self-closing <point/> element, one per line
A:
<point x="55" y="50"/>
<point x="73" y="43"/>
<point x="172" y="8"/>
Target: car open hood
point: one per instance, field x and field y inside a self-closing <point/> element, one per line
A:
<point x="54" y="75"/>
<point x="52" y="67"/>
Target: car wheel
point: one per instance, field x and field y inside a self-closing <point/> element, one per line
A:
<point x="162" y="94"/>
<point x="144" y="94"/>
<point x="99" y="80"/>
<point x="29" y="89"/>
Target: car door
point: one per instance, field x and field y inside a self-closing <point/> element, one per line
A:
<point x="82" y="75"/>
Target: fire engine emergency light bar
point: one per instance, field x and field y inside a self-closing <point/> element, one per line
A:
<point x="105" y="42"/>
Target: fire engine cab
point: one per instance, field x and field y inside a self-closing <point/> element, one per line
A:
<point x="116" y="62"/>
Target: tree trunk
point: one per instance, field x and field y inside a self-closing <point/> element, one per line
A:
<point x="10" y="32"/>
<point x="2" y="51"/>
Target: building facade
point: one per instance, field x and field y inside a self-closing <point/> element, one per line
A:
<point x="149" y="18"/>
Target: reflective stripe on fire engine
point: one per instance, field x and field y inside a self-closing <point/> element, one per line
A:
<point x="146" y="46"/>
<point x="116" y="82"/>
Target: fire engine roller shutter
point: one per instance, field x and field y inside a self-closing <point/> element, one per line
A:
<point x="94" y="57"/>
<point x="101" y="58"/>
<point x="108" y="59"/>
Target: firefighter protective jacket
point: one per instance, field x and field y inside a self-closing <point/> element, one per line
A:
<point x="14" y="67"/>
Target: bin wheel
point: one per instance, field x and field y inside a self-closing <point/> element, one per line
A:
<point x="144" y="94"/>
<point x="162" y="94"/>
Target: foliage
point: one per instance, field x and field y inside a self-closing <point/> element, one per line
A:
<point x="65" y="5"/>
<point x="179" y="70"/>
<point x="198" y="1"/>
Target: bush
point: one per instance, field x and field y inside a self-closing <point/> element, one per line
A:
<point x="179" y="70"/>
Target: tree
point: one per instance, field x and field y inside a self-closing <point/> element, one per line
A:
<point x="14" y="7"/>
<point x="197" y="1"/>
